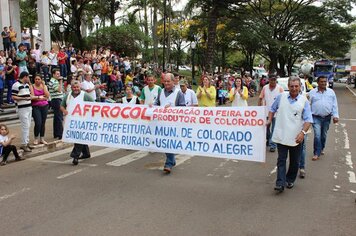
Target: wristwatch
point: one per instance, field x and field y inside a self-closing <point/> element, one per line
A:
<point x="304" y="132"/>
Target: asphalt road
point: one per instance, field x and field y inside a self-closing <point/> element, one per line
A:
<point x="123" y="192"/>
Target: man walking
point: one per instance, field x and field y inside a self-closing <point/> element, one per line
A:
<point x="292" y="122"/>
<point x="22" y="97"/>
<point x="150" y="92"/>
<point x="55" y="88"/>
<point x="169" y="97"/>
<point x="323" y="106"/>
<point x="268" y="95"/>
<point x="75" y="96"/>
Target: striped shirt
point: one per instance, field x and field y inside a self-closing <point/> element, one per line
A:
<point x="22" y="90"/>
<point x="53" y="86"/>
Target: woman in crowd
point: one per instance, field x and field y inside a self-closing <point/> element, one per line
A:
<point x="238" y="94"/>
<point x="130" y="98"/>
<point x="40" y="95"/>
<point x="206" y="93"/>
<point x="11" y="71"/>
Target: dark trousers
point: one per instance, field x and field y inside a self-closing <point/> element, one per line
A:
<point x="7" y="150"/>
<point x="1" y="96"/>
<point x="294" y="157"/>
<point x="57" y="118"/>
<point x="39" y="114"/>
<point x="9" y="83"/>
<point x="78" y="149"/>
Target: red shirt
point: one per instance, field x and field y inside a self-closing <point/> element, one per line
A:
<point x="61" y="55"/>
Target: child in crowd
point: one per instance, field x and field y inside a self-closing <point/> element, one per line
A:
<point x="5" y="145"/>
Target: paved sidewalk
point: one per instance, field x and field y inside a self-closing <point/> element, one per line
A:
<point x="15" y="129"/>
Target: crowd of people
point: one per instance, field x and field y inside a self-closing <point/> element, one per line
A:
<point x="38" y="80"/>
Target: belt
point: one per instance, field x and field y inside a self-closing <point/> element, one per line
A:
<point x="323" y="116"/>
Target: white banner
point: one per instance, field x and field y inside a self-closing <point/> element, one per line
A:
<point x="224" y="132"/>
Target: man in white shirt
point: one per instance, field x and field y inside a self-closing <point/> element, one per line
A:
<point x="25" y="39"/>
<point x="190" y="97"/>
<point x="52" y="55"/>
<point x="268" y="95"/>
<point x="88" y="86"/>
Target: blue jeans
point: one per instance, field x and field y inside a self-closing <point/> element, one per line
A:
<point x="170" y="160"/>
<point x="39" y="114"/>
<point x="270" y="129"/>
<point x="321" y="127"/>
<point x="294" y="157"/>
<point x="9" y="83"/>
<point x="63" y="69"/>
<point x="304" y="152"/>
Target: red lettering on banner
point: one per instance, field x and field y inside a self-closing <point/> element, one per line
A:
<point x="77" y="110"/>
<point x="123" y="115"/>
<point x="95" y="109"/>
<point x="105" y="111"/>
<point x="143" y="114"/>
<point x="86" y="109"/>
<point x="113" y="114"/>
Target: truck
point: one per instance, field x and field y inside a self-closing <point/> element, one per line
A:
<point x="325" y="68"/>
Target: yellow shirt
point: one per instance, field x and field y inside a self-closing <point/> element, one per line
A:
<point x="204" y="100"/>
<point x="128" y="80"/>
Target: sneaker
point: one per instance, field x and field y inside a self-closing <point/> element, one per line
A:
<point x="272" y="149"/>
<point x="75" y="161"/>
<point x="26" y="148"/>
<point x="35" y="142"/>
<point x="43" y="141"/>
<point x="2" y="163"/>
<point x="302" y="173"/>
<point x="290" y="185"/>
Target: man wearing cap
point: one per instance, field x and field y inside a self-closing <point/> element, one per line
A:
<point x="21" y="57"/>
<point x="268" y="95"/>
<point x="190" y="97"/>
<point x="55" y="88"/>
<point x="22" y="97"/>
<point x="150" y="92"/>
<point x="170" y="96"/>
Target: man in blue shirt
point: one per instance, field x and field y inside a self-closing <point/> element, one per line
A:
<point x="292" y="122"/>
<point x="323" y="106"/>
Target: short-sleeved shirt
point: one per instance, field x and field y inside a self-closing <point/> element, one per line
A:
<point x="22" y="90"/>
<point x="53" y="86"/>
<point x="22" y="56"/>
<point x="5" y="37"/>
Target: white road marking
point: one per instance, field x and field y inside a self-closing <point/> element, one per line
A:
<point x="128" y="158"/>
<point x="337" y="186"/>
<point x="68" y="161"/>
<point x="335" y="190"/>
<point x="273" y="171"/>
<point x="346" y="139"/>
<point x="347" y="119"/>
<point x="352" y="191"/>
<point x="70" y="173"/>
<point x="352" y="177"/>
<point x="7" y="196"/>
<point x="349" y="160"/>
<point x="350" y="89"/>
<point x="96" y="154"/>
<point x="52" y="154"/>
<point x="335" y="175"/>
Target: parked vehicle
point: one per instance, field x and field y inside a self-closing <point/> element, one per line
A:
<point x="258" y="72"/>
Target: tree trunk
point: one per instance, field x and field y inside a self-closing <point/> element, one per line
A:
<point x="112" y="12"/>
<point x="146" y="31"/>
<point x="169" y="31"/>
<point x="213" y="21"/>
<point x="154" y="34"/>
